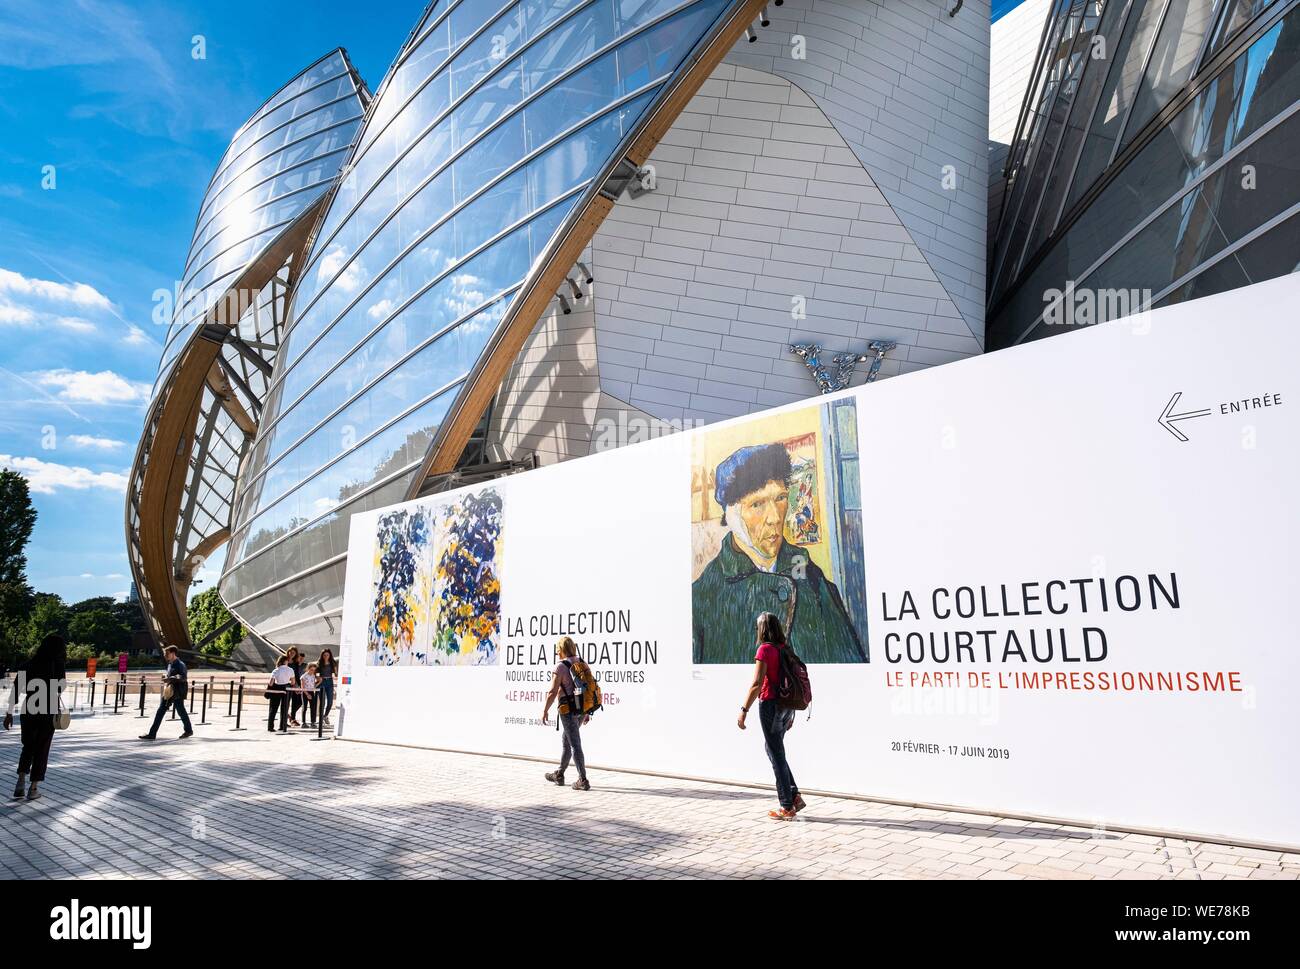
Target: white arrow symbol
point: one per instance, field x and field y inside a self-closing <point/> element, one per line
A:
<point x="1168" y="417"/>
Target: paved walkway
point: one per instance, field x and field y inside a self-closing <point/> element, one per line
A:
<point x="239" y="805"/>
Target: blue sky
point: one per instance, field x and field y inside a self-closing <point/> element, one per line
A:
<point x="110" y="95"/>
<point x="1003" y="7"/>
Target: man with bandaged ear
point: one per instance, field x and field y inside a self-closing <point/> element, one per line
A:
<point x="756" y="570"/>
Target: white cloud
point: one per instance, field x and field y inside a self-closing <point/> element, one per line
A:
<point x="67" y="294"/>
<point x="46" y="477"/>
<point x="101" y="443"/>
<point x="76" y="324"/>
<point x="15" y="315"/>
<point x="81" y="386"/>
<point x="136" y="337"/>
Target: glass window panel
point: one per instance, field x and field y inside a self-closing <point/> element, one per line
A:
<point x="1125" y="72"/>
<point x="1244" y="96"/>
<point x="486" y="52"/>
<point x="577" y="38"/>
<point x="300" y="106"/>
<point x="1271" y="255"/>
<point x="469" y="16"/>
<point x="1239" y="14"/>
<point x="386" y="453"/>
<point x="490" y="273"/>
<point x="660" y="49"/>
<point x="486" y="105"/>
<point x="489" y="157"/>
<point x="1030" y="183"/>
<point x="445" y="360"/>
<point x="633" y="13"/>
<point x="1172" y="60"/>
<point x="327" y="67"/>
<point x="428" y="57"/>
<point x="570" y="101"/>
<point x="1085" y="99"/>
<point x="540" y="14"/>
<point x="501" y="205"/>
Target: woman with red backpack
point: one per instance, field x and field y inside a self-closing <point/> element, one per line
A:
<point x="774" y="719"/>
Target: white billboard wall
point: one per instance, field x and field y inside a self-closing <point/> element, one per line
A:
<point x="1055" y="581"/>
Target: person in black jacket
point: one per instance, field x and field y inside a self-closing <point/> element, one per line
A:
<point x="39" y="684"/>
<point x="178" y="678"/>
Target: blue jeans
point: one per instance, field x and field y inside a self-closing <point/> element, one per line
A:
<point x="327" y="696"/>
<point x="775" y="722"/>
<point x="162" y="711"/>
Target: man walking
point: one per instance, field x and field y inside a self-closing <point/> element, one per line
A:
<point x="177" y="678"/>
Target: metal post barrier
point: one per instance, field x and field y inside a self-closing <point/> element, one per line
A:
<point x="284" y="713"/>
<point x="320" y="715"/>
<point x="239" y="713"/>
<point x="141" y="694"/>
<point x="76" y="694"/>
<point x="230" y="697"/>
<point x="204" y="718"/>
<point x="92" y="696"/>
<point x="117" y="693"/>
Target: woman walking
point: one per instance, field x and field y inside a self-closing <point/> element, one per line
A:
<point x="35" y="696"/>
<point x="773" y="720"/>
<point x="327" y="667"/>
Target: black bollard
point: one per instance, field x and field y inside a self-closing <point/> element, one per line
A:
<point x="284" y="713"/>
<point x="142" y="696"/>
<point x="92" y="696"/>
<point x="230" y="697"/>
<point x="204" y="718"/>
<point x="117" y="693"/>
<point x="239" y="713"/>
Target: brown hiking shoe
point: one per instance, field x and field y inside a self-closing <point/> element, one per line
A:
<point x="581" y="784"/>
<point x="556" y="777"/>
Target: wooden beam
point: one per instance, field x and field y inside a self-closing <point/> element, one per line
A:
<point x="166" y="460"/>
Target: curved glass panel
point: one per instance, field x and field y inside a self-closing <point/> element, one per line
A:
<point x="280" y="162"/>
<point x="495" y="120"/>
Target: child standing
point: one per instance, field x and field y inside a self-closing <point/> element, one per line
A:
<point x="309" y="682"/>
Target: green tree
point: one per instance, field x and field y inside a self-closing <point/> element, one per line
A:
<point x="48" y="615"/>
<point x="17" y="519"/>
<point x="129" y="614"/>
<point x="207" y="612"/>
<point x="15" y="606"/>
<point x="98" y="628"/>
<point x="106" y="603"/>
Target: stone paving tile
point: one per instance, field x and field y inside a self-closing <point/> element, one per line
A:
<point x="403" y="813"/>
